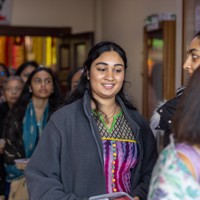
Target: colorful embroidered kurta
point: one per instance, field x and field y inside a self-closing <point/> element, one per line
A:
<point x="120" y="153"/>
<point x="171" y="179"/>
<point x="192" y="155"/>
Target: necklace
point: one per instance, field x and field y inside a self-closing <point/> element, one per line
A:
<point x="107" y="117"/>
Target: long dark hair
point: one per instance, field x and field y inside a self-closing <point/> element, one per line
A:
<point x="84" y="83"/>
<point x="18" y="110"/>
<point x="24" y="65"/>
<point x="70" y="77"/>
<point x="186" y="122"/>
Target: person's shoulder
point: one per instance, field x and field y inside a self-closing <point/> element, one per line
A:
<point x="180" y="90"/>
<point x="163" y="113"/>
<point x="66" y="110"/>
<point x="171" y="103"/>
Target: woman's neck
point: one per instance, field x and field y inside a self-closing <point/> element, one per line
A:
<point x="108" y="110"/>
<point x="39" y="103"/>
<point x="106" y="106"/>
<point x="39" y="107"/>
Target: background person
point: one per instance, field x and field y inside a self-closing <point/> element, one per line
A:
<point x="162" y="117"/>
<point x="177" y="172"/>
<point x="12" y="88"/>
<point x="4" y="73"/>
<point x="73" y="79"/>
<point x="24" y="125"/>
<point x="98" y="142"/>
<point x="25" y="69"/>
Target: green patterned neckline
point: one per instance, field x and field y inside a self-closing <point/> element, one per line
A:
<point x="98" y="114"/>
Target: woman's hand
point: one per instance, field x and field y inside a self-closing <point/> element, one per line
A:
<point x="136" y="198"/>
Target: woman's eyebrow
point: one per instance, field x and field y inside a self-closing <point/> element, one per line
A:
<point x="191" y="50"/>
<point x="119" y="65"/>
<point x="103" y="63"/>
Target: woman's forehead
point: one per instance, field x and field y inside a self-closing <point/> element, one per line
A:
<point x="194" y="44"/>
<point x="42" y="74"/>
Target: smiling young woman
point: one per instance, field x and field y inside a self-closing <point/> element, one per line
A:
<point x="97" y="142"/>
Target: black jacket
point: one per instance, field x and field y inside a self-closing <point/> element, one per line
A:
<point x="166" y="112"/>
<point x="68" y="161"/>
<point x="4" y="109"/>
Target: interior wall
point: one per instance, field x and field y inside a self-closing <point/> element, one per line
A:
<point x="123" y="22"/>
<point x="116" y="20"/>
<point x="77" y="14"/>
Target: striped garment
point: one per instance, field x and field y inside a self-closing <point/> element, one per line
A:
<point x="120" y="152"/>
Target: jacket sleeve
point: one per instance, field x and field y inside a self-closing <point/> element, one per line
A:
<point x="43" y="172"/>
<point x="147" y="160"/>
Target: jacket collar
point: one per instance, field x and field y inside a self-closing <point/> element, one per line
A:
<point x="127" y="112"/>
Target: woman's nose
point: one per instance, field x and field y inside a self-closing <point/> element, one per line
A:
<point x="109" y="75"/>
<point x="187" y="64"/>
<point x="13" y="91"/>
<point x="43" y="83"/>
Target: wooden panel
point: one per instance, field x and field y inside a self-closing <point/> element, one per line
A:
<point x="169" y="59"/>
<point x="162" y="71"/>
<point x="34" y="31"/>
<point x="78" y="45"/>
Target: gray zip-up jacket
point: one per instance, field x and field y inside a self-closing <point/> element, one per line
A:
<point x="68" y="161"/>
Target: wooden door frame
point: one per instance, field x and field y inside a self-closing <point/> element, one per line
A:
<point x="168" y="76"/>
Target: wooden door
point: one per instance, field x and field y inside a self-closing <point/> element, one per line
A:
<point x="73" y="51"/>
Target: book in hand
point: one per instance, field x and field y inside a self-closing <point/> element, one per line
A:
<point x="112" y="196"/>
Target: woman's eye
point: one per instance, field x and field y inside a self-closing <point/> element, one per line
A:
<point x="48" y="81"/>
<point x="37" y="81"/>
<point x="195" y="57"/>
<point x="101" y="69"/>
<point x="117" y="70"/>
